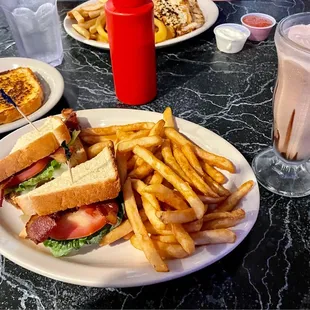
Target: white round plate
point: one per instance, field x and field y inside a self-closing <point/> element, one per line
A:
<point x="208" y="8"/>
<point x="121" y="265"/>
<point x="51" y="80"/>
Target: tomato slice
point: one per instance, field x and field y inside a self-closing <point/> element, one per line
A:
<point x="29" y="172"/>
<point x="85" y="221"/>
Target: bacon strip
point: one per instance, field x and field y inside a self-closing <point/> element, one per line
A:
<point x="38" y="228"/>
<point x="3" y="185"/>
<point x="71" y="119"/>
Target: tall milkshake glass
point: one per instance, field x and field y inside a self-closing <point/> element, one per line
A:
<point x="285" y="168"/>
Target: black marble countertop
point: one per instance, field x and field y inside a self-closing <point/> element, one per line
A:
<point x="231" y="95"/>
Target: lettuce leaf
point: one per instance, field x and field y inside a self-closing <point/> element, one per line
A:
<point x="64" y="247"/>
<point x="42" y="177"/>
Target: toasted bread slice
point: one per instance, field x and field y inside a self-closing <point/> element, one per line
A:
<point x="33" y="146"/>
<point x="94" y="180"/>
<point x="24" y="88"/>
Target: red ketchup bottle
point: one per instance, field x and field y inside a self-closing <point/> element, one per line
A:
<point x="130" y="26"/>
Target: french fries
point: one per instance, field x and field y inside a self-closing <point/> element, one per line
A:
<point x="213" y="236"/>
<point x="122" y="230"/>
<point x="168" y="118"/>
<point x="177" y="216"/>
<point x="191" y="157"/>
<point x="192" y="174"/>
<point x="166" y="195"/>
<point x="183" y="238"/>
<point x="96" y="11"/>
<point x="128" y="145"/>
<point x="172" y="181"/>
<point x="140" y="231"/>
<point x="96" y="148"/>
<point x="225" y="222"/>
<point x="84" y="32"/>
<point x="213" y="173"/>
<point x="231" y="202"/>
<point x="212" y="159"/>
<point x="171" y="162"/>
<point x="172" y="178"/>
<point x="111" y="130"/>
<point x="156" y="178"/>
<point x="150" y="212"/>
<point x="97" y="139"/>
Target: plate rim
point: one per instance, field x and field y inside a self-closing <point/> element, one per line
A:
<point x="49" y="104"/>
<point x="209" y="4"/>
<point x="166" y="276"/>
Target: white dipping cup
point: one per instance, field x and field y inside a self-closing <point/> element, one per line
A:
<point x="231" y="46"/>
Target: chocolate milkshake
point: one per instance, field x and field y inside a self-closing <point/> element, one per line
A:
<point x="291" y="102"/>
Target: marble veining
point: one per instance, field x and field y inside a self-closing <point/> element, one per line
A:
<point x="230" y="95"/>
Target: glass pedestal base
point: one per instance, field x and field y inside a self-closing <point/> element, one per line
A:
<point x="281" y="177"/>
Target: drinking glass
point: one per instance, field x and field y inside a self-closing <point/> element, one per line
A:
<point x="35" y="28"/>
<point x="285" y="169"/>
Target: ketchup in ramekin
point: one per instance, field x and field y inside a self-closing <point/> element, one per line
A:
<point x="259" y="24"/>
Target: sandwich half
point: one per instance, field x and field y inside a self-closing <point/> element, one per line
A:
<point x="38" y="157"/>
<point x="64" y="216"/>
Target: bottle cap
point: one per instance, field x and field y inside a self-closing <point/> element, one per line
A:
<point x="129" y="3"/>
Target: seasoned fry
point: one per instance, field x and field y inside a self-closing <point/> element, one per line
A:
<point x="128" y="236"/>
<point x="144" y="170"/>
<point x="150" y="212"/>
<point x="126" y="146"/>
<point x="215" y="160"/>
<point x="211" y="200"/>
<point x="102" y="39"/>
<point x="193" y="226"/>
<point x="139" y="187"/>
<point x="239" y="213"/>
<point x="131" y="162"/>
<point x="92" y="29"/>
<point x="212" y="159"/>
<point x="172" y="178"/>
<point x="85" y="33"/>
<point x="183" y="238"/>
<point x="158" y="129"/>
<point x="192" y="174"/>
<point x="213" y="173"/>
<point x="139" y="229"/>
<point x="156" y="178"/>
<point x="231" y="202"/>
<point x="93" y="7"/>
<point x="165" y="239"/>
<point x="79" y="18"/>
<point x="88" y="23"/>
<point x="97" y="139"/>
<point x="178" y="216"/>
<point x="94" y="14"/>
<point x="130" y="135"/>
<point x="169" y="251"/>
<point x="121" y="161"/>
<point x="166" y="195"/>
<point x="166" y="250"/>
<point x="227" y="222"/>
<point x="151" y="230"/>
<point x="217" y="188"/>
<point x="171" y="162"/>
<point x="95" y="149"/>
<point x="120" y="231"/>
<point x="111" y="130"/>
<point x="168" y="117"/>
<point x="213" y="236"/>
<point x="192" y="159"/>
<point x="101" y="20"/>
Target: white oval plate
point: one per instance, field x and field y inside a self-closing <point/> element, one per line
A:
<point x="121" y="265"/>
<point x="51" y="80"/>
<point x="208" y="8"/>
